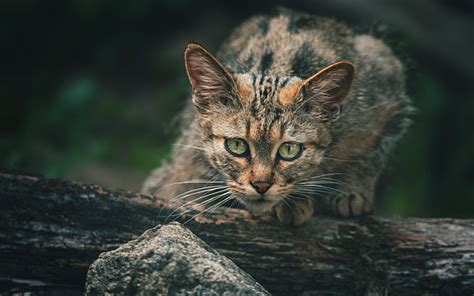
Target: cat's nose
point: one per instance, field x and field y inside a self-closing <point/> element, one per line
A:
<point x="261" y="186"/>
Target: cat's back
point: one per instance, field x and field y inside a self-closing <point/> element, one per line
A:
<point x="289" y="43"/>
<point x="286" y="43"/>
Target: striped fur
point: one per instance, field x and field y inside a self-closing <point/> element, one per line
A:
<point x="270" y="83"/>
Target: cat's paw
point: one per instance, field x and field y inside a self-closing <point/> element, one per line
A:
<point x="297" y="213"/>
<point x="353" y="205"/>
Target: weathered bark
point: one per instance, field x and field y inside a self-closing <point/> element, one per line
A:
<point x="52" y="230"/>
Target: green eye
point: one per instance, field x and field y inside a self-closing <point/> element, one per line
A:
<point x="237" y="147"/>
<point x="290" y="151"/>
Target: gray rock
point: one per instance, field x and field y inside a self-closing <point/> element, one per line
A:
<point x="168" y="260"/>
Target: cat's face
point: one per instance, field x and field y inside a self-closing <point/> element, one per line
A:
<point x="265" y="134"/>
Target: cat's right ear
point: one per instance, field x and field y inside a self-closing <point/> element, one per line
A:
<point x="212" y="83"/>
<point x="326" y="91"/>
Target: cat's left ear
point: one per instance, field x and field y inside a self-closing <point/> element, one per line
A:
<point x="212" y="83"/>
<point x="329" y="87"/>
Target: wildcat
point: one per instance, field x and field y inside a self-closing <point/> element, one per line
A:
<point x="295" y="113"/>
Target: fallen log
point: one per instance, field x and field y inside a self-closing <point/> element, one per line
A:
<point x="52" y="230"/>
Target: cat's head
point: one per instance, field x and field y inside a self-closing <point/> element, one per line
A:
<point x="265" y="134"/>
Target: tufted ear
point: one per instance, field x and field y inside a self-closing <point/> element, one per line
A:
<point x="212" y="83"/>
<point x="328" y="88"/>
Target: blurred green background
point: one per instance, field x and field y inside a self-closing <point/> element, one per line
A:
<point x="90" y="89"/>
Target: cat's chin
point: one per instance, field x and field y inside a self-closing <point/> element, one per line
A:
<point x="259" y="206"/>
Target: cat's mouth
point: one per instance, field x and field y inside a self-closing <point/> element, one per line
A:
<point x="259" y="205"/>
<point x="254" y="202"/>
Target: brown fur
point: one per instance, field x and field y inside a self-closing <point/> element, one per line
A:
<point x="288" y="78"/>
<point x="288" y="94"/>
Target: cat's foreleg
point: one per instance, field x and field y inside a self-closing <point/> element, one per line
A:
<point x="294" y="212"/>
<point x="357" y="197"/>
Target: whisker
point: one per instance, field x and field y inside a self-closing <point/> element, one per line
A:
<point x="205" y="202"/>
<point x="208" y="195"/>
<point x="212" y="208"/>
<point x="319" y="184"/>
<point x="323" y="189"/>
<point x="319" y="190"/>
<point x="226" y="209"/>
<point x="313" y="193"/>
<point x="285" y="202"/>
<point x="325" y="180"/>
<point x="197" y="181"/>
<point x="197" y="191"/>
<point x="314" y="187"/>
<point x="176" y="215"/>
<point x="295" y="197"/>
<point x="192" y="147"/>
<point x="337" y="159"/>
<point x="214" y="179"/>
<point x="326" y="175"/>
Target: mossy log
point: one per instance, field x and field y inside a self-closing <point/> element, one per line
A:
<point x="52" y="230"/>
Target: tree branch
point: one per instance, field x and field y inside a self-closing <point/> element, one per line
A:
<point x="52" y="230"/>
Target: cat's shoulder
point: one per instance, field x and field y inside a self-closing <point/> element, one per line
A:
<point x="286" y="20"/>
